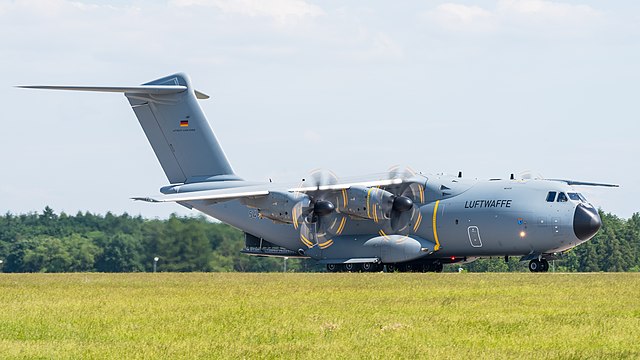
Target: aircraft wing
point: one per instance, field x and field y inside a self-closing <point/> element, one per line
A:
<point x="257" y="190"/>
<point x="584" y="183"/>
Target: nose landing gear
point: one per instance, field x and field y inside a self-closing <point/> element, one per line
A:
<point x="541" y="265"/>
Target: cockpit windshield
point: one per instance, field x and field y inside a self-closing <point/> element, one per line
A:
<point x="577" y="197"/>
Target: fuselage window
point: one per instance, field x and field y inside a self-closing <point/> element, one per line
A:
<point x="574" y="196"/>
<point x="562" y="197"/>
<point x="551" y="196"/>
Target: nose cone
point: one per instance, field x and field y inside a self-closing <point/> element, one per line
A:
<point x="586" y="222"/>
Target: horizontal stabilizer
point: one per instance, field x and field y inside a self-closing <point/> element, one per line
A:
<point x="584" y="183"/>
<point x="142" y="89"/>
<point x="221" y="195"/>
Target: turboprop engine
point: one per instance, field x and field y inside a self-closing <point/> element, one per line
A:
<point x="373" y="203"/>
<point x="277" y="206"/>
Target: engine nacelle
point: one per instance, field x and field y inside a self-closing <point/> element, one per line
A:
<point x="277" y="206"/>
<point x="367" y="203"/>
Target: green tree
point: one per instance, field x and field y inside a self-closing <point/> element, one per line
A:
<point x="120" y="253"/>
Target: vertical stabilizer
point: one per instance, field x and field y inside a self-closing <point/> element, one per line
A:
<point x="179" y="132"/>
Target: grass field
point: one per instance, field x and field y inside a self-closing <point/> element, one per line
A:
<point x="320" y="315"/>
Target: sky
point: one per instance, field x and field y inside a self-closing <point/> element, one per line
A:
<point x="489" y="88"/>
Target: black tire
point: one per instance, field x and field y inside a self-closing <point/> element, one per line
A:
<point x="534" y="265"/>
<point x="544" y="265"/>
<point x="392" y="268"/>
<point x="379" y="267"/>
<point x="368" y="267"/>
<point x="406" y="267"/>
<point x="351" y="267"/>
<point x="438" y="267"/>
<point x="333" y="268"/>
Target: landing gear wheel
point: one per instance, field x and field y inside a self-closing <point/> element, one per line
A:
<point x="535" y="265"/>
<point x="438" y="267"/>
<point x="333" y="267"/>
<point x="391" y="268"/>
<point x="378" y="267"/>
<point x="351" y="267"/>
<point x="368" y="267"/>
<point x="407" y="268"/>
<point x="544" y="265"/>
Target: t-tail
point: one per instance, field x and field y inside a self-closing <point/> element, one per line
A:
<point x="176" y="127"/>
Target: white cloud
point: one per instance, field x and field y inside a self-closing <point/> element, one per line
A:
<point x="282" y="11"/>
<point x="543" y="9"/>
<point x="509" y="14"/>
<point x="461" y="17"/>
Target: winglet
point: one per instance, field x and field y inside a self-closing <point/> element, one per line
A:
<point x="147" y="199"/>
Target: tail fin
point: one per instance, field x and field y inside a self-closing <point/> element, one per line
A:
<point x="180" y="134"/>
<point x="176" y="127"/>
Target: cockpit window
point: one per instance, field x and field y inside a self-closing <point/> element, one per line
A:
<point x="562" y="197"/>
<point x="574" y="196"/>
<point x="584" y="199"/>
<point x="551" y="196"/>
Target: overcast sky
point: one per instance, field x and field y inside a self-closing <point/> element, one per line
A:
<point x="484" y="87"/>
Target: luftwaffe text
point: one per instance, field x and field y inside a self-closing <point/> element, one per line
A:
<point x="487" y="204"/>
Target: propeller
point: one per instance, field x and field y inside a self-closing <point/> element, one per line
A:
<point x="405" y="210"/>
<point x="315" y="214"/>
<point x="528" y="175"/>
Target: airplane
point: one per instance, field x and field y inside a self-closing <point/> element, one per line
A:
<point x="400" y="220"/>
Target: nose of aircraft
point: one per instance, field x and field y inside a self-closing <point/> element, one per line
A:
<point x="586" y="222"/>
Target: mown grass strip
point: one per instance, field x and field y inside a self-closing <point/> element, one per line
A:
<point x="216" y="315"/>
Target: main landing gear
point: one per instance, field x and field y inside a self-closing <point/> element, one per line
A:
<point x="435" y="266"/>
<point x="430" y="266"/>
<point x="541" y="265"/>
<point x="351" y="267"/>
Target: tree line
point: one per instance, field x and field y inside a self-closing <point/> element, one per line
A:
<point x="50" y="242"/>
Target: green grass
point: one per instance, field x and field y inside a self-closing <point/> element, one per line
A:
<point x="566" y="316"/>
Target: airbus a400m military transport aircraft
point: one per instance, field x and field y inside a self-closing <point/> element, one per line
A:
<point x="403" y="220"/>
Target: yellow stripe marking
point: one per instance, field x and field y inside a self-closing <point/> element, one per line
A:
<point x="344" y="197"/>
<point x="328" y="243"/>
<point x="325" y="243"/>
<point x="381" y="232"/>
<point x="417" y="224"/>
<point x="435" y="230"/>
<point x="421" y="194"/>
<point x="341" y="227"/>
<point x="306" y="241"/>
<point x="368" y="200"/>
<point x="295" y="218"/>
<point x="375" y="213"/>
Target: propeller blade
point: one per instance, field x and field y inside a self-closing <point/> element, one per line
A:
<point x="316" y="216"/>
